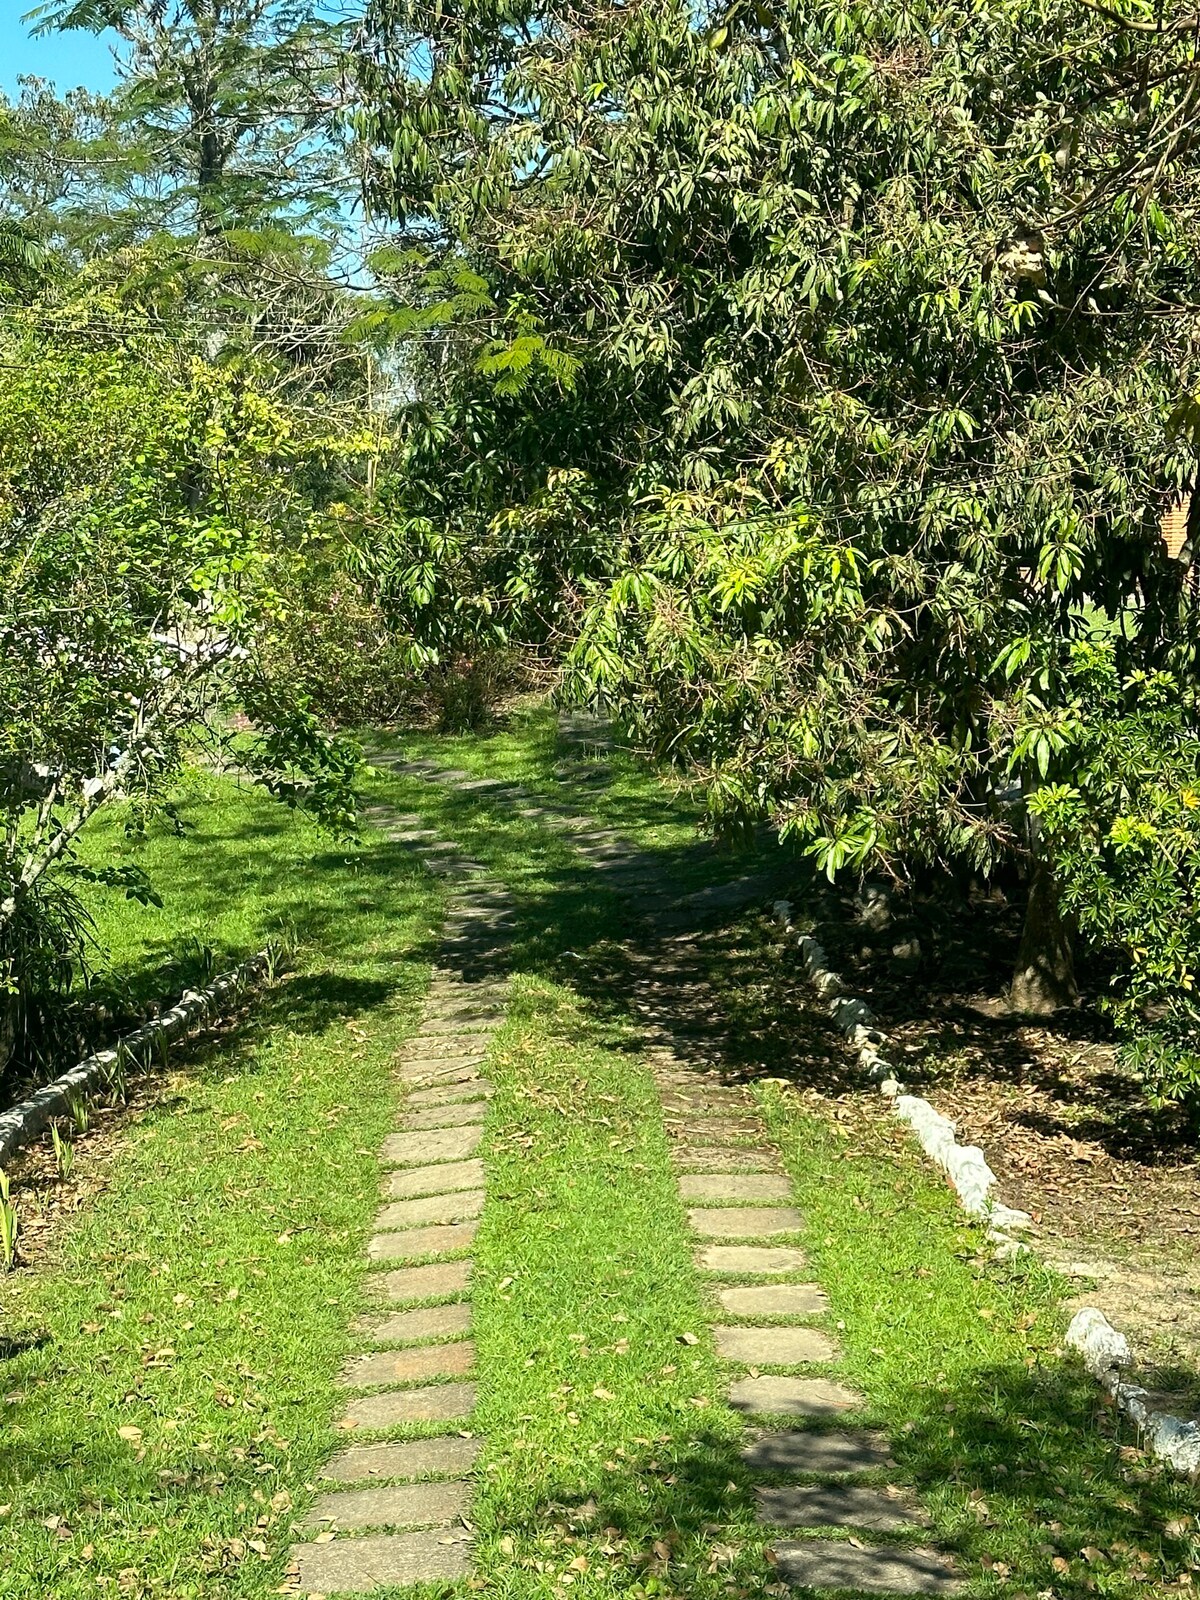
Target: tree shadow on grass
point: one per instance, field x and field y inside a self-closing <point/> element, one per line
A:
<point x="1019" y="1472"/>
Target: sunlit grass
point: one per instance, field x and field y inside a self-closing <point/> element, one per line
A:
<point x="169" y="1371"/>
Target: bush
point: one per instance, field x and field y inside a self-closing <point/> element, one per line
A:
<point x="338" y="651"/>
<point x="1124" y="837"/>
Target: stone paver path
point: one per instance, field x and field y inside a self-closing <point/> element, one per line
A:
<point x="825" y="1475"/>
<point x="397" y="1510"/>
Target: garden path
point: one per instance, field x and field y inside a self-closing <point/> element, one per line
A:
<point x="825" y="1481"/>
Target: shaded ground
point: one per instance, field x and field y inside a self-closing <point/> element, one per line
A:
<point x="1113" y="1186"/>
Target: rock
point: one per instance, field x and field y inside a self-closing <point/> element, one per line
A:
<point x="1104" y="1351"/>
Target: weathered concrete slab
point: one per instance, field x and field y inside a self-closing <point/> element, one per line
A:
<point x="712" y="1130"/>
<point x="473" y="1088"/>
<point x="744" y="1186"/>
<point x="722" y="1158"/>
<point x="447" y="1177"/>
<point x="438" y="1144"/>
<point x="774" y="1347"/>
<point x="834" y="1564"/>
<point x="744" y="1222"/>
<point x="436" y="1025"/>
<point x="775" y="1300"/>
<point x="464" y="1206"/>
<point x="437" y="1402"/>
<point x="407" y="1505"/>
<point x="794" y="1397"/>
<point x="377" y="1367"/>
<point x="421" y="1283"/>
<point x="357" y="1566"/>
<point x="449" y="1456"/>
<point x="430" y="1322"/>
<point x="426" y="1070"/>
<point x="416" y="1242"/>
<point x="876" y="1508"/>
<point x="819" y="1452"/>
<point x="461" y="1114"/>
<point x="447" y="1046"/>
<point x="765" y="1260"/>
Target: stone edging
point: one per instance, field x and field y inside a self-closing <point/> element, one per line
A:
<point x="31" y="1117"/>
<point x="965" y="1165"/>
<point x="1105" y="1352"/>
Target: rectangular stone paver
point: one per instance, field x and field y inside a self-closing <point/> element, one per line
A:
<point x="712" y="1130"/>
<point x="408" y="1366"/>
<point x="774" y="1347"/>
<point x="797" y="1397"/>
<point x="448" y="1094"/>
<point x="745" y="1186"/>
<point x="436" y="1025"/>
<point x="430" y="1322"/>
<point x="834" y="1564"/>
<point x="819" y="1452"/>
<point x="722" y="1158"/>
<point x="409" y="1505"/>
<point x="775" y="1300"/>
<point x="459" y="1115"/>
<point x="461" y="1207"/>
<point x="437" y="1402"/>
<point x="839" y="1505"/>
<point x="445" y="1178"/>
<point x="747" y="1258"/>
<point x="357" y="1566"/>
<point x="745" y="1222"/>
<point x="434" y="1035"/>
<point x="422" y="1283"/>
<point x="440" y="1144"/>
<point x="426" y="1070"/>
<point x="449" y="1456"/>
<point x="422" y="1242"/>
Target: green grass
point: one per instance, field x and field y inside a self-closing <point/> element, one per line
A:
<point x="201" y="1303"/>
<point x="611" y="1466"/>
<point x="606" y="1437"/>
<point x="1015" y="1454"/>
<point x="243" y="871"/>
<point x="658" y="814"/>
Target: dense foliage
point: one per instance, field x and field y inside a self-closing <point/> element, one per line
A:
<point x="147" y="504"/>
<point x="882" y="327"/>
<point x="1124" y="829"/>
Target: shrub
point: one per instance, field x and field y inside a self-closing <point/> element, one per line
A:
<point x="1124" y="836"/>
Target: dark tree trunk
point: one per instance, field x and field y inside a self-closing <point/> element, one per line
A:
<point x="1045" y="975"/>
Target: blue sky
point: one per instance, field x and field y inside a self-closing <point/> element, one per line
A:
<point x="67" y="59"/>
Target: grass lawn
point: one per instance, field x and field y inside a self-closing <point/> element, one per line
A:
<point x="168" y="1363"/>
<point x="612" y="1465"/>
<point x="200" y="1303"/>
<point x="659" y="813"/>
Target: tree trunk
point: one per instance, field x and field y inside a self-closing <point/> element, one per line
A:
<point x="1045" y="975"/>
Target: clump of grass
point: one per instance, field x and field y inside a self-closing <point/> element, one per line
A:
<point x="9" y="1224"/>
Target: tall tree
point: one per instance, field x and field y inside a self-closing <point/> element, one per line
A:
<point x="883" y="314"/>
<point x="234" y="105"/>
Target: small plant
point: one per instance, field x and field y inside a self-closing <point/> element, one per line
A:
<point x="64" y="1151"/>
<point x="9" y="1224"/>
<point x="118" y="1074"/>
<point x="79" y="1111"/>
<point x="278" y="953"/>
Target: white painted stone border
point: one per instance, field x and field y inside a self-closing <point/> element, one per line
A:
<point x="25" y="1121"/>
<point x="1104" y="1351"/>
<point x="964" y="1165"/>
